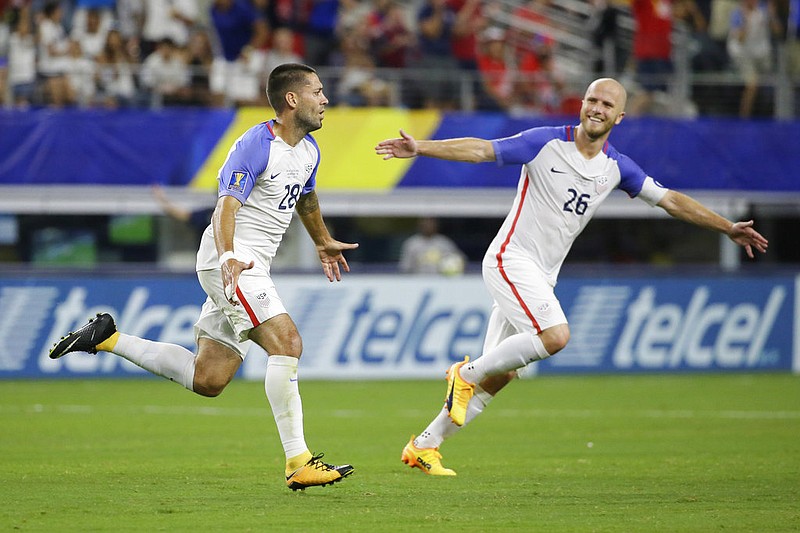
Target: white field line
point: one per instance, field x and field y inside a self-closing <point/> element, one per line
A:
<point x="407" y="413"/>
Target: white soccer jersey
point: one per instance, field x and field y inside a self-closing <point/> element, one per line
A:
<point x="268" y="177"/>
<point x="559" y="191"/>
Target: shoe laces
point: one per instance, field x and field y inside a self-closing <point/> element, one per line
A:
<point x="315" y="462"/>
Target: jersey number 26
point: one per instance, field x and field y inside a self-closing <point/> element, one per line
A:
<point x="577" y="203"/>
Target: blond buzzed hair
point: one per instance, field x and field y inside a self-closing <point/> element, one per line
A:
<point x="620" y="89"/>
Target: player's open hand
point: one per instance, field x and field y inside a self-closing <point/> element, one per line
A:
<point x="333" y="262"/>
<point x="231" y="269"/>
<point x="404" y="147"/>
<point x="743" y="234"/>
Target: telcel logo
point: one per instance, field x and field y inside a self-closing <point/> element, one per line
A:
<point x="159" y="322"/>
<point x="703" y="336"/>
<point x="377" y="334"/>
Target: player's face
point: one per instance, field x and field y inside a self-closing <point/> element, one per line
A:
<point x="311" y="102"/>
<point x="603" y="108"/>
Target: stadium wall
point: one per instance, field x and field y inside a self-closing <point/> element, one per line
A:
<point x="390" y="327"/>
<point x="180" y="147"/>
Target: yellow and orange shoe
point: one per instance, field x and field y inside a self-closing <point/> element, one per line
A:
<point x="316" y="473"/>
<point x="426" y="459"/>
<point x="459" y="393"/>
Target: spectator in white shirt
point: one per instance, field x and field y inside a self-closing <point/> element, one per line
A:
<point x="22" y="60"/>
<point x="166" y="74"/>
<point x="116" y="83"/>
<point x="282" y="50"/>
<point x="430" y="252"/>
<point x="753" y="24"/>
<point x="80" y="71"/>
<point x="167" y="19"/>
<point x="53" y="50"/>
<point x="90" y="28"/>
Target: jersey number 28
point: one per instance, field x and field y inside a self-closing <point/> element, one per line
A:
<point x="291" y="196"/>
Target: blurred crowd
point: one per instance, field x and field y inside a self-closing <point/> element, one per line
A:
<point x="113" y="53"/>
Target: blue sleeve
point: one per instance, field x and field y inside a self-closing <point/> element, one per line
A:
<point x="523" y="147"/>
<point x="312" y="180"/>
<point x="631" y="175"/>
<point x="246" y="162"/>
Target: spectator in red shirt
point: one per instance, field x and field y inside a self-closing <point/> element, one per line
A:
<point x="469" y="23"/>
<point x="511" y="82"/>
<point x="392" y="40"/>
<point x="528" y="38"/>
<point x="652" y="50"/>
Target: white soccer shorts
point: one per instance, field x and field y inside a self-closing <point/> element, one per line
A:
<point x="231" y="324"/>
<point x="522" y="297"/>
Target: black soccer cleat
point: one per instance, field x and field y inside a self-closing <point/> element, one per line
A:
<point x="87" y="338"/>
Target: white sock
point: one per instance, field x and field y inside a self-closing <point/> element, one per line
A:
<point x="283" y="394"/>
<point x="512" y="353"/>
<point x="171" y="361"/>
<point x="442" y="427"/>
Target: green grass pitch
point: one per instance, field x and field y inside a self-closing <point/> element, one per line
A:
<point x="576" y="454"/>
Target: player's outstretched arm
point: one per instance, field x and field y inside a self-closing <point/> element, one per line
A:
<point x="402" y="148"/>
<point x="743" y="234"/>
<point x="688" y="209"/>
<point x="329" y="249"/>
<point x="173" y="210"/>
<point x="467" y="149"/>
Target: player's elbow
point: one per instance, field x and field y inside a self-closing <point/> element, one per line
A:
<point x="484" y="152"/>
<point x="672" y="204"/>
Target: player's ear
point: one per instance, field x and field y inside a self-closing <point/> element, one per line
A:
<point x="619" y="118"/>
<point x="291" y="99"/>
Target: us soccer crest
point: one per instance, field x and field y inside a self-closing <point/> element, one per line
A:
<point x="601" y="184"/>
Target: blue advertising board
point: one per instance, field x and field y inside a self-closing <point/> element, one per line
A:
<point x="390" y="327"/>
<point x="696" y="323"/>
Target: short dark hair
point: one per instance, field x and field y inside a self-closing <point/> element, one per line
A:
<point x="283" y="79"/>
<point x="50" y="8"/>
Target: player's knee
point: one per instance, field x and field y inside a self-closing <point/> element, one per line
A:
<point x="210" y="385"/>
<point x="292" y="345"/>
<point x="209" y="390"/>
<point x="284" y="343"/>
<point x="555" y="339"/>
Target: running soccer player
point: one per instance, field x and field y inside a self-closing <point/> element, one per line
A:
<point x="270" y="173"/>
<point x="566" y="173"/>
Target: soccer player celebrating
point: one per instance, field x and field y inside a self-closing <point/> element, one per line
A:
<point x="270" y="173"/>
<point x="566" y="173"/>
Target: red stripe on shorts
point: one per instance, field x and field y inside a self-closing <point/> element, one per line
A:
<point x="503" y="249"/>
<point x="250" y="313"/>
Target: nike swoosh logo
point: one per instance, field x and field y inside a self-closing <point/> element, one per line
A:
<point x="292" y="379"/>
<point x="450" y="397"/>
<point x="554" y="171"/>
<point x="71" y="344"/>
<point x="274" y="175"/>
